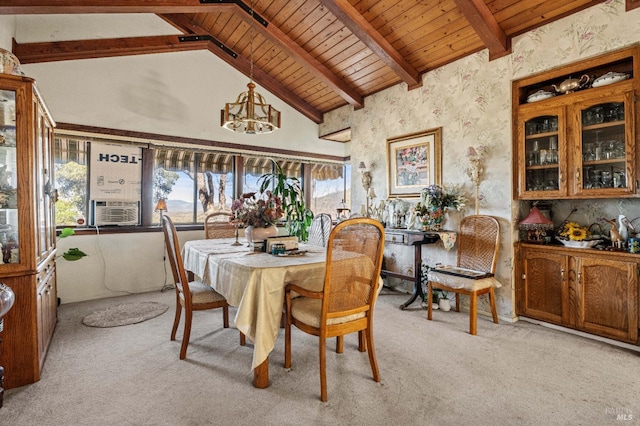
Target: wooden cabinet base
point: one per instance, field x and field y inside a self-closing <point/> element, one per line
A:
<point x="584" y="289"/>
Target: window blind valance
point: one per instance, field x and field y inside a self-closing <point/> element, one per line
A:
<point x="180" y="159"/>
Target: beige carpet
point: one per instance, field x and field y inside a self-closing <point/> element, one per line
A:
<point x="433" y="373"/>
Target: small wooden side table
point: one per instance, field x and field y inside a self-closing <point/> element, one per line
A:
<point x="416" y="239"/>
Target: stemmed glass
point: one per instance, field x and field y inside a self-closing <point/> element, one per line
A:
<point x="236" y="242"/>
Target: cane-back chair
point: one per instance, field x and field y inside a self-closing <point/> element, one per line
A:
<point x="218" y="225"/>
<point x="346" y="302"/>
<point x="478" y="243"/>
<point x="320" y="229"/>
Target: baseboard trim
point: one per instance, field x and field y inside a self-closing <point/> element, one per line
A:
<point x="583" y="334"/>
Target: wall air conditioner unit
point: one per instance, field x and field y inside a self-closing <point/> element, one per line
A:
<point x="116" y="213"/>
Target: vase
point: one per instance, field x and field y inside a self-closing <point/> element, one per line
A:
<point x="433" y="220"/>
<point x="260" y="233"/>
<point x="444" y="304"/>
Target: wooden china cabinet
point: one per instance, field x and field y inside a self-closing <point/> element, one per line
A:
<point x="27" y="229"/>
<point x="580" y="144"/>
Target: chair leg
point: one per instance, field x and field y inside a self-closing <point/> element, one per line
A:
<point x="176" y="321"/>
<point x="225" y="316"/>
<point x="339" y="344"/>
<point x="362" y="341"/>
<point x="473" y="313"/>
<point x="243" y="339"/>
<point x="287" y="334"/>
<point x="457" y="302"/>
<point x="372" y="354"/>
<point x="429" y="299"/>
<point x="492" y="300"/>
<point x="188" y="316"/>
<point x="323" y="368"/>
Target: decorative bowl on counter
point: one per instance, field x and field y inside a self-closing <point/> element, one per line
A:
<point x="579" y="244"/>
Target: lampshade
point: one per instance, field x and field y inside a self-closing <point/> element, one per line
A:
<point x="371" y="193"/>
<point x="161" y="206"/>
<point x="535" y="218"/>
<point x="362" y="167"/>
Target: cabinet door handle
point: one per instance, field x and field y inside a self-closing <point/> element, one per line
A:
<point x="560" y="179"/>
<point x="562" y="274"/>
<point x="577" y="175"/>
<point x="580" y="277"/>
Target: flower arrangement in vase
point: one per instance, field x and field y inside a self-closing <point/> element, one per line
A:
<point x="434" y="202"/>
<point x="256" y="211"/>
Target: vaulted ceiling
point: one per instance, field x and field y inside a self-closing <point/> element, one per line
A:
<point x="316" y="55"/>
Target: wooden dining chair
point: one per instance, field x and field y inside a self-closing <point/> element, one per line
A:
<point x="478" y="243"/>
<point x="320" y="229"/>
<point x="190" y="296"/>
<point x="218" y="225"/>
<point x="345" y="304"/>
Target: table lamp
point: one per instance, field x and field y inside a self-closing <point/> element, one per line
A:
<point x="161" y="207"/>
<point x="535" y="226"/>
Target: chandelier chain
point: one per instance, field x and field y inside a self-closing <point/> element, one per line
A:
<point x="251" y="46"/>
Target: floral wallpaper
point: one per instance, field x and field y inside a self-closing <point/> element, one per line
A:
<point x="471" y="100"/>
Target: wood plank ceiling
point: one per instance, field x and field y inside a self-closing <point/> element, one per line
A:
<point x="316" y="55"/>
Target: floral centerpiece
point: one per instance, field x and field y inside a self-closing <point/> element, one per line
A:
<point x="257" y="210"/>
<point x="434" y="202"/>
<point x="574" y="232"/>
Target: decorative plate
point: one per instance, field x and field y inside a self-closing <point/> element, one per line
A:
<point x="609" y="78"/>
<point x="540" y="95"/>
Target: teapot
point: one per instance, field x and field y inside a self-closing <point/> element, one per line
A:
<point x="571" y="84"/>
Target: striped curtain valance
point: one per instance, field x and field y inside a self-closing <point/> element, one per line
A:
<point x="181" y="159"/>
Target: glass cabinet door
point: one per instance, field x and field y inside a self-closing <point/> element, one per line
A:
<point x="8" y="179"/>
<point x="542" y="154"/>
<point x="604" y="164"/>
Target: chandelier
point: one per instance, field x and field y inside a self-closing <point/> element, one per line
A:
<point x="250" y="113"/>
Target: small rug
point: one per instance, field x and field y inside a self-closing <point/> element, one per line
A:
<point x="125" y="314"/>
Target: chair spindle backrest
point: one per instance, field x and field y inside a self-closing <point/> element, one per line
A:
<point x="175" y="258"/>
<point x="320" y="229"/>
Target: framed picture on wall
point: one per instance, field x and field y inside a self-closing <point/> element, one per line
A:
<point x="413" y="162"/>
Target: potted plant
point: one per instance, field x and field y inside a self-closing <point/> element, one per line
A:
<point x="434" y="202"/>
<point x="298" y="217"/>
<point x="438" y="294"/>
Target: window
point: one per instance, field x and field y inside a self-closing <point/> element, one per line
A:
<point x="330" y="185"/>
<point x="70" y="180"/>
<point x="192" y="181"/>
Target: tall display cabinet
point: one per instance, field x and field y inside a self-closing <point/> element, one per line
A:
<point x="27" y="229"/>
<point x="581" y="143"/>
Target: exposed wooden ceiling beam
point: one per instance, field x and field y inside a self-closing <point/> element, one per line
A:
<point x="292" y="49"/>
<point x="361" y="28"/>
<point x="486" y="26"/>
<point x="632" y="4"/>
<point x="29" y="53"/>
<point x="243" y="65"/>
<point x="23" y="7"/>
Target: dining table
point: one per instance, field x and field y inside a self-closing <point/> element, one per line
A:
<point x="254" y="282"/>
